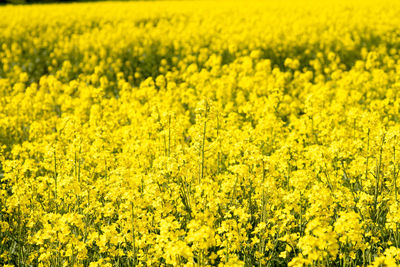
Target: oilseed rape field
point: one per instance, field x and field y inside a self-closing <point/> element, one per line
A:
<point x="197" y="133"/>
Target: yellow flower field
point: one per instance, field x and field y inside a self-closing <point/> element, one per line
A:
<point x="185" y="133"/>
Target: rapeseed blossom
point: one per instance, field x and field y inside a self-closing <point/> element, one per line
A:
<point x="200" y="133"/>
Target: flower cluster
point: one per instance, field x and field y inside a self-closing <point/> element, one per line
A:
<point x="200" y="133"/>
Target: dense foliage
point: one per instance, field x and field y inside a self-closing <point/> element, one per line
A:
<point x="200" y="133"/>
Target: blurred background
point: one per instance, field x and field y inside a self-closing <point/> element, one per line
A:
<point x="3" y="2"/>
